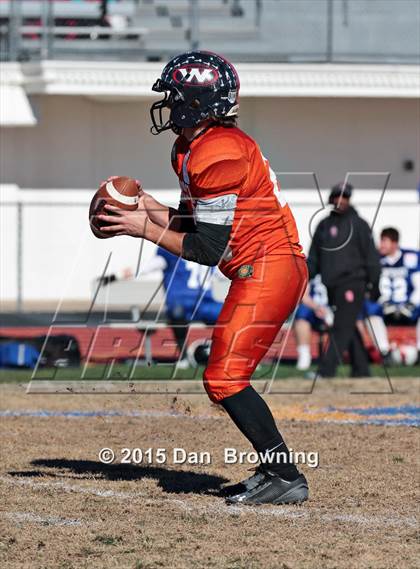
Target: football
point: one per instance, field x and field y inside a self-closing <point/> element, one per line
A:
<point x="121" y="191"/>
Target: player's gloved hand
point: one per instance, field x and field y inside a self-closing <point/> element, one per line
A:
<point x="388" y="309"/>
<point x="329" y="316"/>
<point x="326" y="314"/>
<point x="320" y="312"/>
<point x="372" y="291"/>
<point x="407" y="309"/>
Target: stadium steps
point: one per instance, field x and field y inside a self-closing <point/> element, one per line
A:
<point x="170" y="10"/>
<point x="167" y="24"/>
<point x="215" y="19"/>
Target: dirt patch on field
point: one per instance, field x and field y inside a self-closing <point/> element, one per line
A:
<point x="63" y="508"/>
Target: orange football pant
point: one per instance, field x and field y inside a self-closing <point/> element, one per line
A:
<point x="253" y="313"/>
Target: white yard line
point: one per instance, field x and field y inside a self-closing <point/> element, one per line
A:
<point x="69" y="488"/>
<point x="29" y="517"/>
<point x="220" y="508"/>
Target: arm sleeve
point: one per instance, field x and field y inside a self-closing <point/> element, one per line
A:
<point x="207" y="245"/>
<point x="214" y="219"/>
<point x="180" y="219"/>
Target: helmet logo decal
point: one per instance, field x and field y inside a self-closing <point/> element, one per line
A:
<point x="232" y="96"/>
<point x="195" y="75"/>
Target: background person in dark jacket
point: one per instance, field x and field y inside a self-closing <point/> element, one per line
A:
<point x="344" y="254"/>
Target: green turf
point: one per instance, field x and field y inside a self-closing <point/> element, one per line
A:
<point x="166" y="371"/>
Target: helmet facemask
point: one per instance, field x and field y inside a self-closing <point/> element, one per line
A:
<point x="176" y="103"/>
<point x="172" y="98"/>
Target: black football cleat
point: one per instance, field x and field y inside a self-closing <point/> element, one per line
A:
<point x="249" y="484"/>
<point x="272" y="489"/>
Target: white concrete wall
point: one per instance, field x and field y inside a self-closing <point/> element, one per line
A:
<point x="79" y="141"/>
<point x="61" y="257"/>
<point x="335" y="136"/>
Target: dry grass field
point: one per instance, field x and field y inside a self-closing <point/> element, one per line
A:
<point x="62" y="508"/>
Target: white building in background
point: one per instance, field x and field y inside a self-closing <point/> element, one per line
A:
<point x="72" y="122"/>
<point x="65" y="126"/>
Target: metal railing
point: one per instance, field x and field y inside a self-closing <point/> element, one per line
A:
<point x="382" y="31"/>
<point x="40" y="29"/>
<point x="47" y="42"/>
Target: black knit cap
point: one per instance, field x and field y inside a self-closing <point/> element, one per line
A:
<point x="342" y="189"/>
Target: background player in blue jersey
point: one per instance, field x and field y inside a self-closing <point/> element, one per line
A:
<point x="188" y="294"/>
<point x="399" y="286"/>
<point x="188" y="298"/>
<point x="313" y="314"/>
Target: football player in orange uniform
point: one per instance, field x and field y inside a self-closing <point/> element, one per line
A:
<point x="231" y="214"/>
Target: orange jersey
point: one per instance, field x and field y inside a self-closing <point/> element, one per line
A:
<point x="224" y="161"/>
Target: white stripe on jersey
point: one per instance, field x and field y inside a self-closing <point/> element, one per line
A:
<point x="219" y="210"/>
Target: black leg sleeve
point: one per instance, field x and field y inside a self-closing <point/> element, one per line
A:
<point x="252" y="416"/>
